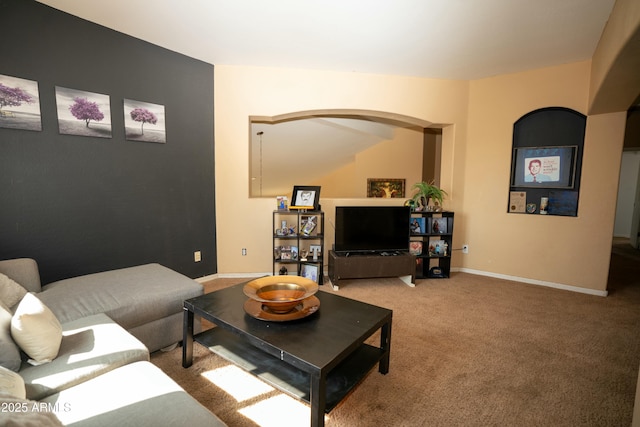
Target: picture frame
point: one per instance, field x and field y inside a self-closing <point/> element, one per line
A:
<point x="563" y="203"/>
<point x="418" y="225"/>
<point x="386" y="188"/>
<point x="544" y="167"/>
<point x="439" y="226"/>
<point x="22" y="109"/>
<point x="436" y="247"/>
<point x="305" y="197"/>
<point x="415" y="247"/>
<point x="309" y="271"/>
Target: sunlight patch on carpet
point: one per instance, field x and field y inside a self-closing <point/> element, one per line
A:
<point x="278" y="411"/>
<point x="238" y="383"/>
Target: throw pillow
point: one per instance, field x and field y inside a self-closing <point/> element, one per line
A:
<point x="9" y="352"/>
<point x="11" y="383"/>
<point x="36" y="330"/>
<point x="11" y="293"/>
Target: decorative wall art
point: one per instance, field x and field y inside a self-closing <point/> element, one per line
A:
<point x="19" y="104"/>
<point x="144" y="121"/>
<point x="83" y="113"/>
<point x="385" y="188"/>
<point x="305" y="197"/>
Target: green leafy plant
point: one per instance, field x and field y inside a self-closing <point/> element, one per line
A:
<point x="426" y="191"/>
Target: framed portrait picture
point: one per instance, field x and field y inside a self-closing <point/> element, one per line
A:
<point x="305" y="197"/>
<point x="418" y="226"/>
<point x="544" y="167"/>
<point x="439" y="226"/>
<point x="385" y="188"/>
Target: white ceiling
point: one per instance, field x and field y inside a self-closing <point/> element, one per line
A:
<point x="448" y="39"/>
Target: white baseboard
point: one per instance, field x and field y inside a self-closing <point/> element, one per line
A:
<point x="461" y="270"/>
<point x="533" y="282"/>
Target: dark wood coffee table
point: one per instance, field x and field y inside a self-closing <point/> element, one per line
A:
<point x="318" y="359"/>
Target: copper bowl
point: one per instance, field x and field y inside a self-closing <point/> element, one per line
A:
<point x="280" y="294"/>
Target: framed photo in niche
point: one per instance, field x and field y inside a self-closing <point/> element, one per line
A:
<point x="544" y="167"/>
<point x="305" y="197"/>
<point x="385" y="188"/>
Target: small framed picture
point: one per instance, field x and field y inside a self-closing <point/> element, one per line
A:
<point x="308" y="223"/>
<point x="309" y="271"/>
<point x="417" y="226"/>
<point x="415" y="248"/>
<point x="385" y="188"/>
<point x="439" y="226"/>
<point x="305" y="197"/>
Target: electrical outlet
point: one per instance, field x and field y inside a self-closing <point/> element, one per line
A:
<point x="465" y="249"/>
<point x="197" y="256"/>
<point x="244" y="251"/>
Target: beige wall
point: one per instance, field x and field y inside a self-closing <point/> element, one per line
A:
<point x="475" y="165"/>
<point x="559" y="250"/>
<point x="399" y="157"/>
<point x="241" y="92"/>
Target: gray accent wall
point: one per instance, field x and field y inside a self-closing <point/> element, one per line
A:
<point x="82" y="204"/>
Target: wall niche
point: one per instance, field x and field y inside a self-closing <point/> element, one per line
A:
<point x="546" y="162"/>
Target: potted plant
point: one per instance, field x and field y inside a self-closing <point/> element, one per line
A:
<point x="426" y="191"/>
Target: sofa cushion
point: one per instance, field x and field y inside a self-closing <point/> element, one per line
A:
<point x="130" y="296"/>
<point x="11" y="383"/>
<point x="139" y="394"/>
<point x="90" y="347"/>
<point x="9" y="352"/>
<point x="36" y="330"/>
<point x="24" y="271"/>
<point x="11" y="293"/>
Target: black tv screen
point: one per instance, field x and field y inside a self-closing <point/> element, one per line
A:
<point x="361" y="229"/>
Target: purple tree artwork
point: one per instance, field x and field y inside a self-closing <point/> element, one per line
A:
<point x="83" y="113"/>
<point x="83" y="109"/>
<point x="12" y="97"/>
<point x="144" y="121"/>
<point x="19" y="104"/>
<point x="145" y="116"/>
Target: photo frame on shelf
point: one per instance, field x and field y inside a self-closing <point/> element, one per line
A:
<point x="418" y="225"/>
<point x="563" y="203"/>
<point x="386" y="188"/>
<point x="439" y="226"/>
<point x="415" y="248"/>
<point x="310" y="271"/>
<point x="544" y="167"/>
<point x="308" y="224"/>
<point x="305" y="197"/>
<point x="436" y="247"/>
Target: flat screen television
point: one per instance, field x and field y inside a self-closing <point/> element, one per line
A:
<point x="372" y="229"/>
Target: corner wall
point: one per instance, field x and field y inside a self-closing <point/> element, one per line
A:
<point x="80" y="204"/>
<point x="553" y="250"/>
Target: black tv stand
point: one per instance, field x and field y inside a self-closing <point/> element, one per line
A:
<point x="368" y="265"/>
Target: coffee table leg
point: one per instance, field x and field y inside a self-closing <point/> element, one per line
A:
<point x="187" y="338"/>
<point x="385" y="345"/>
<point x="318" y="399"/>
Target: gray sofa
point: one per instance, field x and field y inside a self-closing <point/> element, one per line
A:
<point x="146" y="300"/>
<point x="101" y="375"/>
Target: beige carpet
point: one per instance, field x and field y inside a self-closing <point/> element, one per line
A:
<point x="467" y="351"/>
